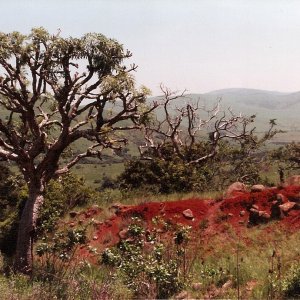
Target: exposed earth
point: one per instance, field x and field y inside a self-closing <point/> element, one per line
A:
<point x="239" y="209"/>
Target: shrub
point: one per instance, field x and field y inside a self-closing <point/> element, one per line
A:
<point x="149" y="267"/>
<point x="171" y="173"/>
<point x="291" y="283"/>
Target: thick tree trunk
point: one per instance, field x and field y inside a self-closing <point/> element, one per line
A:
<point x="27" y="227"/>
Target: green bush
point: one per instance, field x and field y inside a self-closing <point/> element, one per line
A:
<point x="61" y="196"/>
<point x="12" y="199"/>
<point x="291" y="283"/>
<point x="170" y="173"/>
<point x="149" y="267"/>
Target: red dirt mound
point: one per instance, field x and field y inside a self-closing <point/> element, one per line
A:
<point x="194" y="212"/>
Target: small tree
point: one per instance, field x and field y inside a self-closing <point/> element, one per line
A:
<point x="55" y="91"/>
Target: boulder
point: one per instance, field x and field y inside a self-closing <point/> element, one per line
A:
<point x="188" y="214"/>
<point x="257" y="188"/>
<point x="286" y="207"/>
<point x="235" y="188"/>
<point x="293" y="180"/>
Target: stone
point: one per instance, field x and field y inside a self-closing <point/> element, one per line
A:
<point x="286" y="207"/>
<point x="242" y="213"/>
<point x="73" y="214"/>
<point x="188" y="214"/>
<point x="72" y="224"/>
<point x="255" y="207"/>
<point x="264" y="216"/>
<point x="95" y="237"/>
<point x="230" y="215"/>
<point x="257" y="188"/>
<point x="258" y="216"/>
<point x="293" y="180"/>
<point x="236" y="187"/>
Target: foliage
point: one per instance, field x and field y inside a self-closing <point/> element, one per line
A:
<point x="233" y="162"/>
<point x="287" y="158"/>
<point x="291" y="283"/>
<point x="56" y="259"/>
<point x="148" y="266"/>
<point x="61" y="196"/>
<point x="12" y="198"/>
<point x="54" y="92"/>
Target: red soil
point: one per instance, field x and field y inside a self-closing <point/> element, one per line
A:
<point x="214" y="214"/>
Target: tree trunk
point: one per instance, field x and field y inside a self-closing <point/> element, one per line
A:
<point x="27" y="228"/>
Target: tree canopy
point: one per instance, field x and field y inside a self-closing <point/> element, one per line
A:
<point x="55" y="91"/>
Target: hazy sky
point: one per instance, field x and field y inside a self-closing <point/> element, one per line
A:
<point x="195" y="45"/>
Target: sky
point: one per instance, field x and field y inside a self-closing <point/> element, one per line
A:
<point x="197" y="45"/>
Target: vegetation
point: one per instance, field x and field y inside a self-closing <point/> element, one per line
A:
<point x="50" y="103"/>
<point x="55" y="115"/>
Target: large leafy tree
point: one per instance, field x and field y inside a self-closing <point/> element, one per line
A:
<point x="55" y="91"/>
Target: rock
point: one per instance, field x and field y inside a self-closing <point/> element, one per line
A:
<point x="233" y="189"/>
<point x="286" y="207"/>
<point x="72" y="224"/>
<point x="293" y="180"/>
<point x="188" y="214"/>
<point x="95" y="237"/>
<point x="230" y="215"/>
<point x="73" y="214"/>
<point x="258" y="217"/>
<point x="264" y="216"/>
<point x="241" y="222"/>
<point x="196" y="286"/>
<point x="255" y="207"/>
<point x="242" y="213"/>
<point x="257" y="188"/>
<point x="123" y="234"/>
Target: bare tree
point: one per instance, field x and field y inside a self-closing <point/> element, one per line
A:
<point x="185" y="125"/>
<point x="55" y="91"/>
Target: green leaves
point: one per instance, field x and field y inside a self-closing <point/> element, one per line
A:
<point x="145" y="260"/>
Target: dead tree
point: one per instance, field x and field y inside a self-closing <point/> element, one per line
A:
<point x="185" y="125"/>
